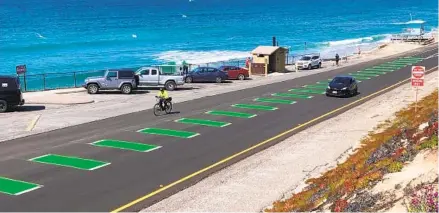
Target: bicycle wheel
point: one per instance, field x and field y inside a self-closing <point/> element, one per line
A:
<point x="168" y="108"/>
<point x="157" y="110"/>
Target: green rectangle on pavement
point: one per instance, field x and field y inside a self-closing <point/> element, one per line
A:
<point x="275" y="101"/>
<point x="363" y="74"/>
<point x="169" y="132"/>
<point x="70" y="161"/>
<point x="317" y="91"/>
<point x="231" y="114"/>
<point x="253" y="106"/>
<point x="317" y="86"/>
<point x="360" y="77"/>
<point x="203" y="122"/>
<point x="373" y="72"/>
<point x="324" y="82"/>
<point x="126" y="145"/>
<point x="16" y="187"/>
<point x="384" y="69"/>
<point x="292" y="95"/>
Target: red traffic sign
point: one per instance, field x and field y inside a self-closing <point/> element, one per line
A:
<point x="20" y="69"/>
<point x="418" y="72"/>
<point x="417" y="82"/>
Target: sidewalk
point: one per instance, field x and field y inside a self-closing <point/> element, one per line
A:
<point x="62" y="108"/>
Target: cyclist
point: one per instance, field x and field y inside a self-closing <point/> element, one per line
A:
<point x="163" y="95"/>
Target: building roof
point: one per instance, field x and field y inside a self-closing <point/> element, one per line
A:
<point x="265" y="50"/>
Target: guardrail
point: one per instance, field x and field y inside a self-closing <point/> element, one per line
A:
<point x="62" y="80"/>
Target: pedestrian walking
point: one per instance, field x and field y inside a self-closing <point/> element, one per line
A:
<point x="337" y="59"/>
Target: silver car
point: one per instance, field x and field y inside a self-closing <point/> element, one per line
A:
<point x="309" y="62"/>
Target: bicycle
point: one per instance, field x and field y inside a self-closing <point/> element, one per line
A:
<point x="168" y="106"/>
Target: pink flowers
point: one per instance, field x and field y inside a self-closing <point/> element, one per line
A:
<point x="424" y="200"/>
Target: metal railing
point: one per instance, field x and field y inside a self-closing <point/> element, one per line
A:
<point x="62" y="80"/>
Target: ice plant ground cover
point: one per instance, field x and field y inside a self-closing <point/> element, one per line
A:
<point x="386" y="150"/>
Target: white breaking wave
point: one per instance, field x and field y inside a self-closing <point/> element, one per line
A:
<point x="200" y="57"/>
<point x="410" y="22"/>
<point x="40" y="36"/>
<point x="134" y="35"/>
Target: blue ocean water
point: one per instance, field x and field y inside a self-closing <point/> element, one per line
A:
<point x="77" y="35"/>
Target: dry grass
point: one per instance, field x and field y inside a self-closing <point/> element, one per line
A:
<point x="381" y="152"/>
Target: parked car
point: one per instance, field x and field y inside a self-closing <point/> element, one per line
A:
<point x="115" y="79"/>
<point x="10" y="93"/>
<point x="342" y="86"/>
<point x="309" y="62"/>
<point x="206" y="74"/>
<point x="153" y="77"/>
<point x="235" y="72"/>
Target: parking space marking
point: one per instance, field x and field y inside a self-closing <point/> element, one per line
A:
<point x="292" y="95"/>
<point x="70" y="161"/>
<point x="360" y="77"/>
<point x="380" y="69"/>
<point x="363" y="75"/>
<point x="310" y="91"/>
<point x="231" y="114"/>
<point x="203" y="122"/>
<point x="323" y="82"/>
<point x="373" y="72"/>
<point x="16" y="187"/>
<point x="126" y="145"/>
<point x="253" y="106"/>
<point x="168" y="132"/>
<point x="275" y="100"/>
<point x="316" y="86"/>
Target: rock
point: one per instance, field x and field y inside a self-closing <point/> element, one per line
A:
<point x="423" y="126"/>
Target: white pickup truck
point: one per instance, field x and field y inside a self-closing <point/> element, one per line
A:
<point x="153" y="77"/>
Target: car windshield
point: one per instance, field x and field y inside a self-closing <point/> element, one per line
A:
<point x="341" y="80"/>
<point x="305" y="58"/>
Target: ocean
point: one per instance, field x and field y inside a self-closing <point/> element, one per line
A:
<point x="79" y="35"/>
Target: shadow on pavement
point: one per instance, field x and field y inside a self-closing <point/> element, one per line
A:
<point x="25" y="108"/>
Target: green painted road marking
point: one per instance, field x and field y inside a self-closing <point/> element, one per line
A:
<point x="70" y="161"/>
<point x="16" y="187"/>
<point x="400" y="63"/>
<point x="169" y="132"/>
<point x="363" y="74"/>
<point x="361" y="77"/>
<point x="127" y="145"/>
<point x="275" y="101"/>
<point x="380" y="69"/>
<point x="317" y="86"/>
<point x="324" y="82"/>
<point x="203" y="122"/>
<point x="231" y="114"/>
<point x="306" y="91"/>
<point x="253" y="106"/>
<point x="410" y="61"/>
<point x="291" y="95"/>
<point x="373" y="72"/>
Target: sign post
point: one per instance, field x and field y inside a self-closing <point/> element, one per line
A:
<point x="21" y="69"/>
<point x="417" y="79"/>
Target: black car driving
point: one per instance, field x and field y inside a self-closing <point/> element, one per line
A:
<point x="10" y="93"/>
<point x="342" y="86"/>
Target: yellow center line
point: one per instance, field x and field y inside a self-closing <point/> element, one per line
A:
<point x="161" y="189"/>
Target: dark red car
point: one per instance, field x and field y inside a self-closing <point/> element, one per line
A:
<point x="235" y="72"/>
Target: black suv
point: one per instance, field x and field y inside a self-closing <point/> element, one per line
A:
<point x="10" y="93"/>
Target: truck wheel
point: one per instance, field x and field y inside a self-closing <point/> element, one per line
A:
<point x="126" y="89"/>
<point x="189" y="80"/>
<point x="3" y="106"/>
<point x="170" y="85"/>
<point x="241" y="77"/>
<point x="92" y="88"/>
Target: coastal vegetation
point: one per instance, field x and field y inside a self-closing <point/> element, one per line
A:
<point x="388" y="149"/>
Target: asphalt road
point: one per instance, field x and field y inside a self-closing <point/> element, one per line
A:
<point x="134" y="174"/>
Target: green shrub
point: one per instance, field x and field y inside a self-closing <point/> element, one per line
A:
<point x="395" y="167"/>
<point x="429" y="144"/>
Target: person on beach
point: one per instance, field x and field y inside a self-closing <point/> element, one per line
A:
<point x="247" y="62"/>
<point x="185" y="68"/>
<point x="337" y="58"/>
